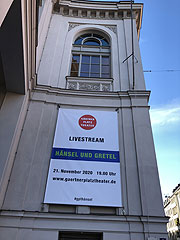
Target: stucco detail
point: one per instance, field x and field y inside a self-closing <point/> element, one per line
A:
<point x="113" y="11"/>
<point x="112" y="28"/>
<point x="72" y="25"/>
<point x="90" y="13"/>
<point x="76" y="83"/>
<point x="89" y="86"/>
<point x="106" y="87"/>
<point x="72" y="85"/>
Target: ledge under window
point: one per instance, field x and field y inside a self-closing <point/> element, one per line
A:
<point x="89" y="84"/>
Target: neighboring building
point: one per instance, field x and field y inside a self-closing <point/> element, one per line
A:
<point x="18" y="34"/>
<point x="80" y="126"/>
<point x="172" y="210"/>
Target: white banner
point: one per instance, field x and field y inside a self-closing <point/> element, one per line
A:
<point x="85" y="164"/>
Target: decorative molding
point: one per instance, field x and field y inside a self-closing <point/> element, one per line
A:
<point x="112" y="28"/>
<point x="106" y="11"/>
<point x="87" y="13"/>
<point x="93" y="14"/>
<point x="73" y="25"/>
<point x="72" y="85"/>
<point x="106" y="87"/>
<point x="89" y="84"/>
<point x="42" y="93"/>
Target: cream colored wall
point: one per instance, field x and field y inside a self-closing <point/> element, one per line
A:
<point x="58" y="46"/>
<point x="43" y="27"/>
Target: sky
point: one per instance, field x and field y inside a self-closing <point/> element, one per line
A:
<point x="160" y="52"/>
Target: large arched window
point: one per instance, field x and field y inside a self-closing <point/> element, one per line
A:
<point x="91" y="56"/>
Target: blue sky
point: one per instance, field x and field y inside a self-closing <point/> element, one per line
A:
<point x="160" y="50"/>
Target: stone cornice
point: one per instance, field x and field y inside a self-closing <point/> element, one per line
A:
<point x="53" y="90"/>
<point x="121" y="99"/>
<point x="99" y="10"/>
<point x="11" y="215"/>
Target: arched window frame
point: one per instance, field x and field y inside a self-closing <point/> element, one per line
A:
<point x="85" y="40"/>
<point x="98" y="57"/>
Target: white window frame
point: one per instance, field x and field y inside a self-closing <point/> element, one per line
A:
<point x="90" y="50"/>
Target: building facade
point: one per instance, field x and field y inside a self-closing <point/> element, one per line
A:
<point x="75" y="61"/>
<point x="172" y="210"/>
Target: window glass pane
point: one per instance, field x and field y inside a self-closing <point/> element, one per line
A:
<point x="105" y="69"/>
<point x="104" y="42"/>
<point x="83" y="74"/>
<point x="105" y="75"/>
<point x="85" y="68"/>
<point x="78" y="41"/>
<point x="75" y="58"/>
<point x="85" y="59"/>
<point x="95" y="75"/>
<point x="86" y="35"/>
<point x="74" y="74"/>
<point x="105" y="60"/>
<point x="95" y="63"/>
<point x="91" y="42"/>
<point x="95" y="60"/>
<point x="74" y="67"/>
<point x="95" y="68"/>
<point x="97" y="36"/>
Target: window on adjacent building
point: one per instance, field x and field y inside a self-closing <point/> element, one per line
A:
<point x="91" y="57"/>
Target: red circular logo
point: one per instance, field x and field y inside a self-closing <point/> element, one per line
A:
<point x="87" y="122"/>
